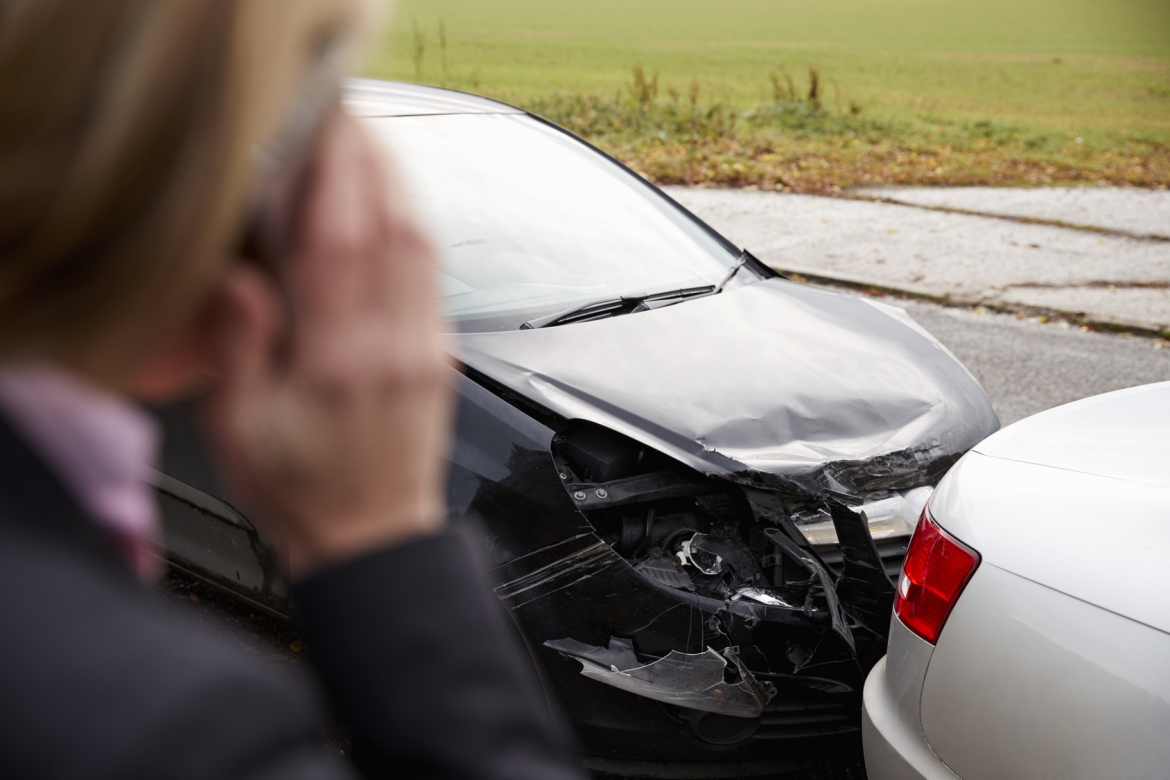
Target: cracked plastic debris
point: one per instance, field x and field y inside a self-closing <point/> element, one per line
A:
<point x="706" y="562"/>
<point x="848" y="480"/>
<point x="863" y="586"/>
<point x="723" y="542"/>
<point x="695" y="681"/>
<point x="762" y="596"/>
<point x="817" y="570"/>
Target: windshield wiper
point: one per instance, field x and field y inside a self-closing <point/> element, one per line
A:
<point x="740" y="263"/>
<point x="613" y="307"/>
<point x="628" y="304"/>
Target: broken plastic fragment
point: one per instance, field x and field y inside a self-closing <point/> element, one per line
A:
<point x="726" y="543"/>
<point x="692" y="680"/>
<point x="708" y="563"/>
<point x="864" y="588"/>
<point x="762" y="596"/>
<point x="818" y="571"/>
<point x="667" y="571"/>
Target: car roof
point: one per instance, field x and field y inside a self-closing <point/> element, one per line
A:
<point x="373" y="98"/>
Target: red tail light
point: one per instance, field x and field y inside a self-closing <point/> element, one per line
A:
<point x="936" y="570"/>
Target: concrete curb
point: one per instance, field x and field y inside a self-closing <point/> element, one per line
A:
<point x="1074" y="318"/>
<point x="1102" y="231"/>
<point x="1008" y="252"/>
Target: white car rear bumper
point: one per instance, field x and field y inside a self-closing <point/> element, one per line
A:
<point x="891" y="726"/>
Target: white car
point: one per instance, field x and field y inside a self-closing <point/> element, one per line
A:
<point x="1031" y="634"/>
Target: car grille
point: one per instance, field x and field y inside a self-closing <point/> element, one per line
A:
<point x="891" y="551"/>
<point x="790" y="719"/>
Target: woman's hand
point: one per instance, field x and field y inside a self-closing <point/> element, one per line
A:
<point x="332" y="413"/>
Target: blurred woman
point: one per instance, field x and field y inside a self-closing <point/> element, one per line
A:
<point x="184" y="206"/>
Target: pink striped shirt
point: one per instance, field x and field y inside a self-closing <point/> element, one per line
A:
<point x="100" y="446"/>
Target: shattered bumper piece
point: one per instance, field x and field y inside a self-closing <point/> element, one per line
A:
<point x="695" y="681"/>
<point x="760" y="595"/>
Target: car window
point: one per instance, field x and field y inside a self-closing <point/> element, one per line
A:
<point x="531" y="222"/>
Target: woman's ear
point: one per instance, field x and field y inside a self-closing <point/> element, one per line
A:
<point x="181" y="367"/>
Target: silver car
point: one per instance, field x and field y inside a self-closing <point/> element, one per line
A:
<point x="1031" y="635"/>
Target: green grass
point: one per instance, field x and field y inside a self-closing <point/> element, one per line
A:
<point x="1022" y="77"/>
<point x="981" y="59"/>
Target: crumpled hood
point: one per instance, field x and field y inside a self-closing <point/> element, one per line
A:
<point x="772" y="378"/>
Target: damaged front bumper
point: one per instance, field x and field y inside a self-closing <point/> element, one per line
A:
<point x="693" y="680"/>
<point x="706" y="608"/>
<point x="704" y="680"/>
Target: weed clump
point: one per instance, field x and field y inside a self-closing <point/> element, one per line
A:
<point x="418" y="48"/>
<point x="814" y="86"/>
<point x="801" y="142"/>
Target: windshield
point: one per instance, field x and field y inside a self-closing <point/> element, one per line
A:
<point x="531" y="222"/>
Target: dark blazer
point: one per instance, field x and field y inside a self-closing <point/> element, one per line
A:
<point x="100" y="677"/>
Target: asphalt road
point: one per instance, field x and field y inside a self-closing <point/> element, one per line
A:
<point x="1027" y="366"/>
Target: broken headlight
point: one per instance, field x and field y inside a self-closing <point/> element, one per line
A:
<point x="890" y="514"/>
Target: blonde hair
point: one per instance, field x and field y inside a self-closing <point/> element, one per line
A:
<point x="127" y="129"/>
